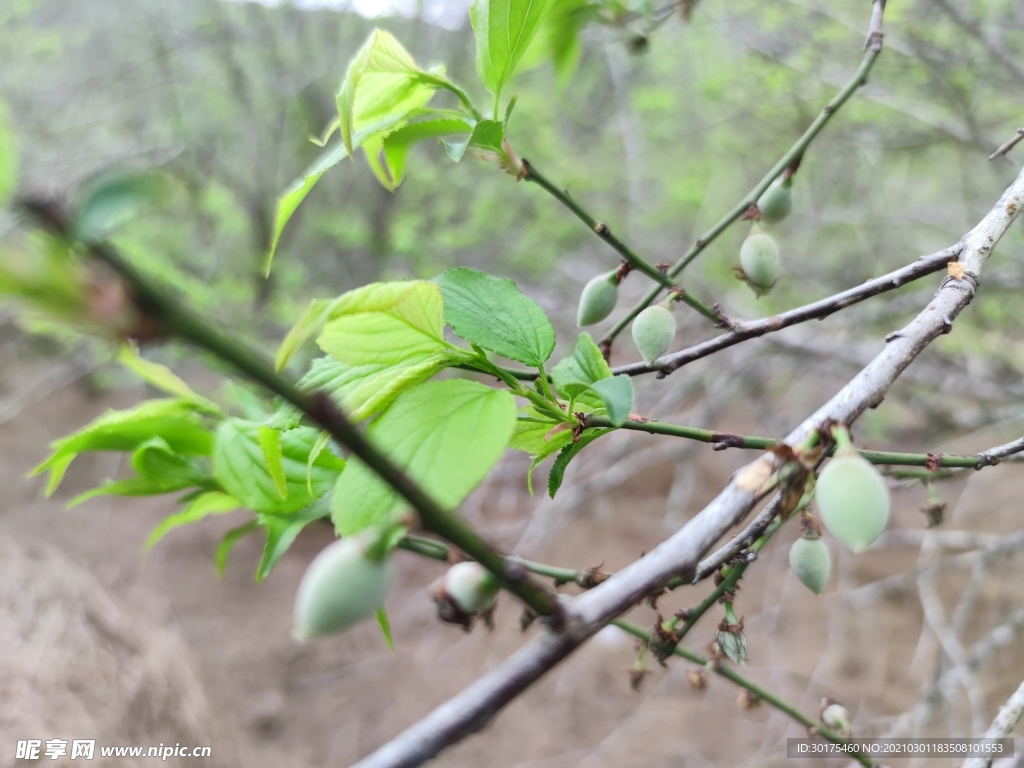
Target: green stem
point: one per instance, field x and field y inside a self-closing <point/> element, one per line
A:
<point x="545" y="387"/>
<point x="170" y="317"/>
<point x="437" y="550"/>
<point x="730" y="674"/>
<point x="795" y="152"/>
<point x="635" y="260"/>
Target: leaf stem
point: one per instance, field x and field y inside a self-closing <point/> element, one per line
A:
<point x="170" y="318"/>
<point x="733" y="676"/>
<point x="792" y="155"/>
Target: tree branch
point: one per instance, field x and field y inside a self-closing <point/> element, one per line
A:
<point x="818" y="310"/>
<point x="1009" y="715"/>
<point x="171" y="318"/>
<point x="680" y="554"/>
<point x="1008" y="145"/>
<point x="792" y="155"/>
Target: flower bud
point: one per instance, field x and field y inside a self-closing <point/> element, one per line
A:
<point x="598" y="299"/>
<point x="759" y="259"/>
<point x="853" y="499"/>
<point x="810" y="561"/>
<point x="777" y="201"/>
<point x="341" y="587"/>
<point x="834" y="715"/>
<point x="653" y="331"/>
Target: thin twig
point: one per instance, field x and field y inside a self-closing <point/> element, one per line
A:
<point x="1007" y="146"/>
<point x="742" y="331"/>
<point x="1009" y="715"/>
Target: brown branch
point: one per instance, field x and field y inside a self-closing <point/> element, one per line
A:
<point x="1007" y="146"/>
<point x="742" y="331"/>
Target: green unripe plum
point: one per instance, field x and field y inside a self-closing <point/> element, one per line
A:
<point x="853" y="499"/>
<point x="759" y="258"/>
<point x="776" y="202"/>
<point x="653" y="331"/>
<point x="810" y="561"/>
<point x="341" y="587"/>
<point x="471" y="587"/>
<point x="598" y="299"/>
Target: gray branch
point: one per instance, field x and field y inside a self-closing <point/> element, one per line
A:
<point x="1008" y="717"/>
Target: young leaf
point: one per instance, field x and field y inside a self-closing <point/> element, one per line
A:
<point x="503" y="31"/>
<point x="445" y="434"/>
<point x="209" y="503"/>
<point x="312" y="320"/>
<point x="568" y="454"/>
<point x="398" y="143"/>
<point x="239" y="466"/>
<point x="282" y="530"/>
<point x="385" y="627"/>
<point x="382" y="82"/>
<point x="157" y="461"/>
<point x="130" y="486"/>
<point x="385" y="323"/>
<point x="488" y="135"/>
<point x="270" y="443"/>
<point x="492" y="313"/>
<point x="228" y="542"/>
<point x="539" y="436"/>
<point x="586" y="366"/>
<point x="455" y="149"/>
<point x="172" y="419"/>
<point x="617" y="394"/>
<point x="314" y="454"/>
<point x="161" y="377"/>
<point x="290" y="199"/>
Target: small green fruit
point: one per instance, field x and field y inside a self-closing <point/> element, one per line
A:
<point x="835" y="716"/>
<point x="853" y="499"/>
<point x="471" y="587"/>
<point x="810" y="561"/>
<point x="653" y="331"/>
<point x="759" y="258"/>
<point x="776" y="202"/>
<point x="341" y="587"/>
<point x="598" y="299"/>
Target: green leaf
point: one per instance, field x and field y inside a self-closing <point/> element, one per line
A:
<point x="398" y="143"/>
<point x="311" y="322"/>
<point x="289" y="201"/>
<point x="161" y="377"/>
<point x="445" y="434"/>
<point x="282" y="530"/>
<point x="508" y="111"/>
<point x="617" y="394"/>
<point x="130" y="486"/>
<point x="157" y="461"/>
<point x="382" y="82"/>
<point x="228" y="542"/>
<point x="203" y="505"/>
<point x="568" y="454"/>
<point x="586" y="366"/>
<point x="240" y="467"/>
<point x="314" y="454"/>
<point x="455" y="149"/>
<point x="270" y="443"/>
<point x="488" y="135"/>
<point x="173" y="419"/>
<point x="492" y="313"/>
<point x="112" y="197"/>
<point x="8" y="154"/>
<point x="385" y="627"/>
<point x="385" y="323"/>
<point x="503" y="30"/>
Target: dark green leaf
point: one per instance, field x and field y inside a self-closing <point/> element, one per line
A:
<point x="385" y="627"/>
<point x="229" y="541"/>
<point x="493" y="313"/>
<point x="488" y="135"/>
<point x="617" y="394"/>
<point x="568" y="454"/>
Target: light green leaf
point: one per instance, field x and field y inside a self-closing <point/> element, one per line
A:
<point x="503" y="31"/>
<point x="173" y="419"/>
<point x="398" y="143"/>
<point x="617" y="394"/>
<point x="382" y="82"/>
<point x="203" y="505"/>
<point x="311" y="322"/>
<point x="568" y="454"/>
<point x="385" y="323"/>
<point x="289" y="201"/>
<point x="488" y="135"/>
<point x="314" y="454"/>
<point x="445" y="434"/>
<point x="228" y="542"/>
<point x="130" y="486"/>
<point x="385" y="627"/>
<point x="239" y="466"/>
<point x="161" y="377"/>
<point x="493" y="313"/>
<point x="270" y="443"/>
<point x="455" y="149"/>
<point x="534" y="431"/>
<point x="282" y="531"/>
<point x="586" y="366"/>
<point x="8" y="154"/>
